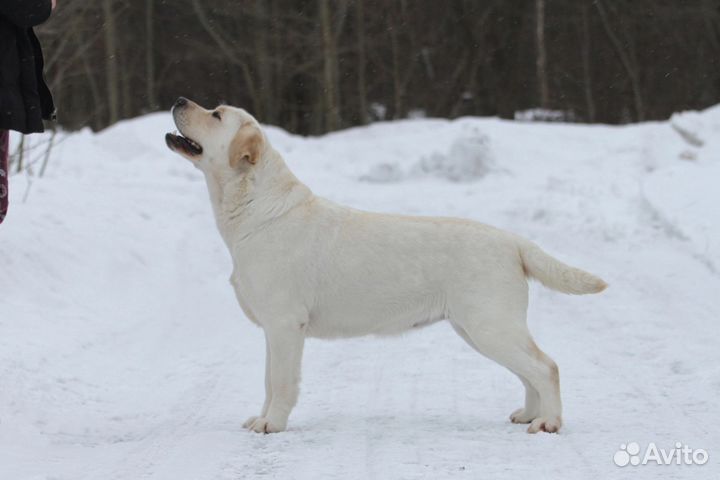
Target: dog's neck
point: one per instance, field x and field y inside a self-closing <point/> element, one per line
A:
<point x="246" y="201"/>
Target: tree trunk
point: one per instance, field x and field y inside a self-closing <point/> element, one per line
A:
<point x="111" y="70"/>
<point x="95" y="93"/>
<point x="587" y="77"/>
<point x="126" y="98"/>
<point x="278" y="65"/>
<point x="361" y="59"/>
<point x="397" y="81"/>
<point x="263" y="61"/>
<point x="541" y="59"/>
<point x="631" y="71"/>
<point x="331" y="101"/>
<point x="150" y="55"/>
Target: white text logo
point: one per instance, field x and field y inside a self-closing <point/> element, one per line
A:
<point x="629" y="454"/>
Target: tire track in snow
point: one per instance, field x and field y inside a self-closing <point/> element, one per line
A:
<point x="162" y="441"/>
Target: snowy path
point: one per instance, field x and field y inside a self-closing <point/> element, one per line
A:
<point x="124" y="356"/>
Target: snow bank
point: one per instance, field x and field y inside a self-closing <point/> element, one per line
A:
<point x="682" y="194"/>
<point x="469" y="158"/>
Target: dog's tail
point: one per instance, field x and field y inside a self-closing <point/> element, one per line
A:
<point x="554" y="274"/>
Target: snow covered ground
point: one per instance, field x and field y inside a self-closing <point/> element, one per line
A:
<point x="124" y="356"/>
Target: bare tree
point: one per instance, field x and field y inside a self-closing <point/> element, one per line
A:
<point x="264" y="63"/>
<point x="330" y="70"/>
<point x="541" y="58"/>
<point x="361" y="61"/>
<point x="629" y="66"/>
<point x="111" y="62"/>
<point x="150" y="54"/>
<point x="586" y="61"/>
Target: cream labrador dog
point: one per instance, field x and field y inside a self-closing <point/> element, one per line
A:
<point x="306" y="267"/>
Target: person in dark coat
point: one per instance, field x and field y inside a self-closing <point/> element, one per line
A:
<point x="25" y="99"/>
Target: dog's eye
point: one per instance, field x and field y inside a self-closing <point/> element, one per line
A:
<point x="216" y="114"/>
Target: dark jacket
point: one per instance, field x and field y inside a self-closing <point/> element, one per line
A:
<point x="25" y="99"/>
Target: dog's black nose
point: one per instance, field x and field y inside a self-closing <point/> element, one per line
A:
<point x="181" y="102"/>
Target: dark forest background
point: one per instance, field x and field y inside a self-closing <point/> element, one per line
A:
<point x="313" y="66"/>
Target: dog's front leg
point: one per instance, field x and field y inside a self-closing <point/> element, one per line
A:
<point x="268" y="388"/>
<point x="284" y="342"/>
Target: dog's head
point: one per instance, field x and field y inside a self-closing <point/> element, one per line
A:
<point x="224" y="140"/>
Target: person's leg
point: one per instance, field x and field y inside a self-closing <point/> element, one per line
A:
<point x="4" y="173"/>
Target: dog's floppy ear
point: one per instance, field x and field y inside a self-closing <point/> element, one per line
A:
<point x="247" y="146"/>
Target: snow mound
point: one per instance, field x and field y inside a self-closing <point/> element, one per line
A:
<point x="697" y="129"/>
<point x="682" y="196"/>
<point x="384" y="173"/>
<point x="469" y="158"/>
<point x="690" y="127"/>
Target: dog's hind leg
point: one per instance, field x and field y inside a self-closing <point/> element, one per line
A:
<point x="508" y="342"/>
<point x="532" y="405"/>
<point x="532" y="398"/>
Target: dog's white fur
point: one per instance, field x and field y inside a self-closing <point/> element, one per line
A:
<point x="307" y="267"/>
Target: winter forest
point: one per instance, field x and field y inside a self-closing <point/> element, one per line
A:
<point x="312" y="66"/>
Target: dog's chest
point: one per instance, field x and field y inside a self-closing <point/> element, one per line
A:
<point x="243" y="300"/>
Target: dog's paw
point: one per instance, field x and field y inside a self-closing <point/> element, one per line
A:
<point x="263" y="425"/>
<point x="250" y="421"/>
<point x="522" y="416"/>
<point x="545" y="424"/>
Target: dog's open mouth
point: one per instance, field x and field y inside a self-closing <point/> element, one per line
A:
<point x="186" y="145"/>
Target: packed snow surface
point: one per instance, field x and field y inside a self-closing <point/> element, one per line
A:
<point x="124" y="356"/>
